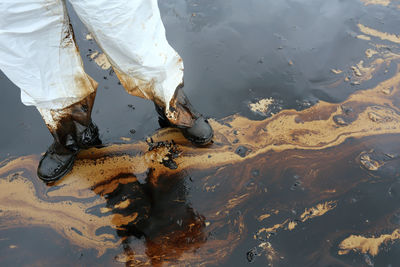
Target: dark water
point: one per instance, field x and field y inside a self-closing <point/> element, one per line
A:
<point x="235" y="53"/>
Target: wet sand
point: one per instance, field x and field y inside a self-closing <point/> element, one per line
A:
<point x="304" y="99"/>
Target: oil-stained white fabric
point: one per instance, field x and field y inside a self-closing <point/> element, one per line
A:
<point x="132" y="35"/>
<point x="51" y="117"/>
<point x="38" y="53"/>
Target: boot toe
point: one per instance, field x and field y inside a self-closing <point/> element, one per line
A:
<point x="200" y="133"/>
<point x="52" y="166"/>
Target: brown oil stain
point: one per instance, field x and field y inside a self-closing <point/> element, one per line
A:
<point x="135" y="86"/>
<point x="288" y="224"/>
<point x="369" y="163"/>
<point x="262" y="106"/>
<point x="95" y="171"/>
<point x="21" y="194"/>
<point x="364" y="37"/>
<point x="263" y="217"/>
<point x="89" y="36"/>
<point x="123" y="205"/>
<point x="336" y="71"/>
<point x="382" y="35"/>
<point x="125" y="139"/>
<point x="232" y="203"/>
<point x="362" y="73"/>
<point x="127" y="188"/>
<point x="291" y="225"/>
<point x="180" y="111"/>
<point x="59" y="121"/>
<point x="376" y="2"/>
<point x="369" y="245"/>
<point x="370" y="53"/>
<point x="317" y="211"/>
<point x="101" y="60"/>
<point x="271" y="254"/>
<point x="119" y="219"/>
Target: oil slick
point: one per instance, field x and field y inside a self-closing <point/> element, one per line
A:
<point x="262" y="106"/>
<point x="101" y="60"/>
<point x="317" y="211"/>
<point x="381" y="35"/>
<point x="376" y="2"/>
<point x="290" y="224"/>
<point x="369" y="245"/>
<point x="336" y="71"/>
<point x="217" y="205"/>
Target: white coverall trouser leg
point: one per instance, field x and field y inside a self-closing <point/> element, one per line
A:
<point x="38" y="52"/>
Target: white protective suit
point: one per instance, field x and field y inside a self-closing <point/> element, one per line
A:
<point x="39" y="54"/>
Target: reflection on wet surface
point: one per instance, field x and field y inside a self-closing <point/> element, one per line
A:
<point x="309" y="183"/>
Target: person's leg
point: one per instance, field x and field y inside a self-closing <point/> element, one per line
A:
<point x="132" y="35"/>
<point x="38" y="53"/>
<point x="72" y="129"/>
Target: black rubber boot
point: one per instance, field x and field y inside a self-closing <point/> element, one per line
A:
<point x="74" y="131"/>
<point x="59" y="159"/>
<point x="90" y="137"/>
<point x="55" y="163"/>
<point x="193" y="125"/>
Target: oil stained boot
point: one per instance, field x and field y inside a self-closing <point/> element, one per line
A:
<point x="182" y="115"/>
<point x="72" y="130"/>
